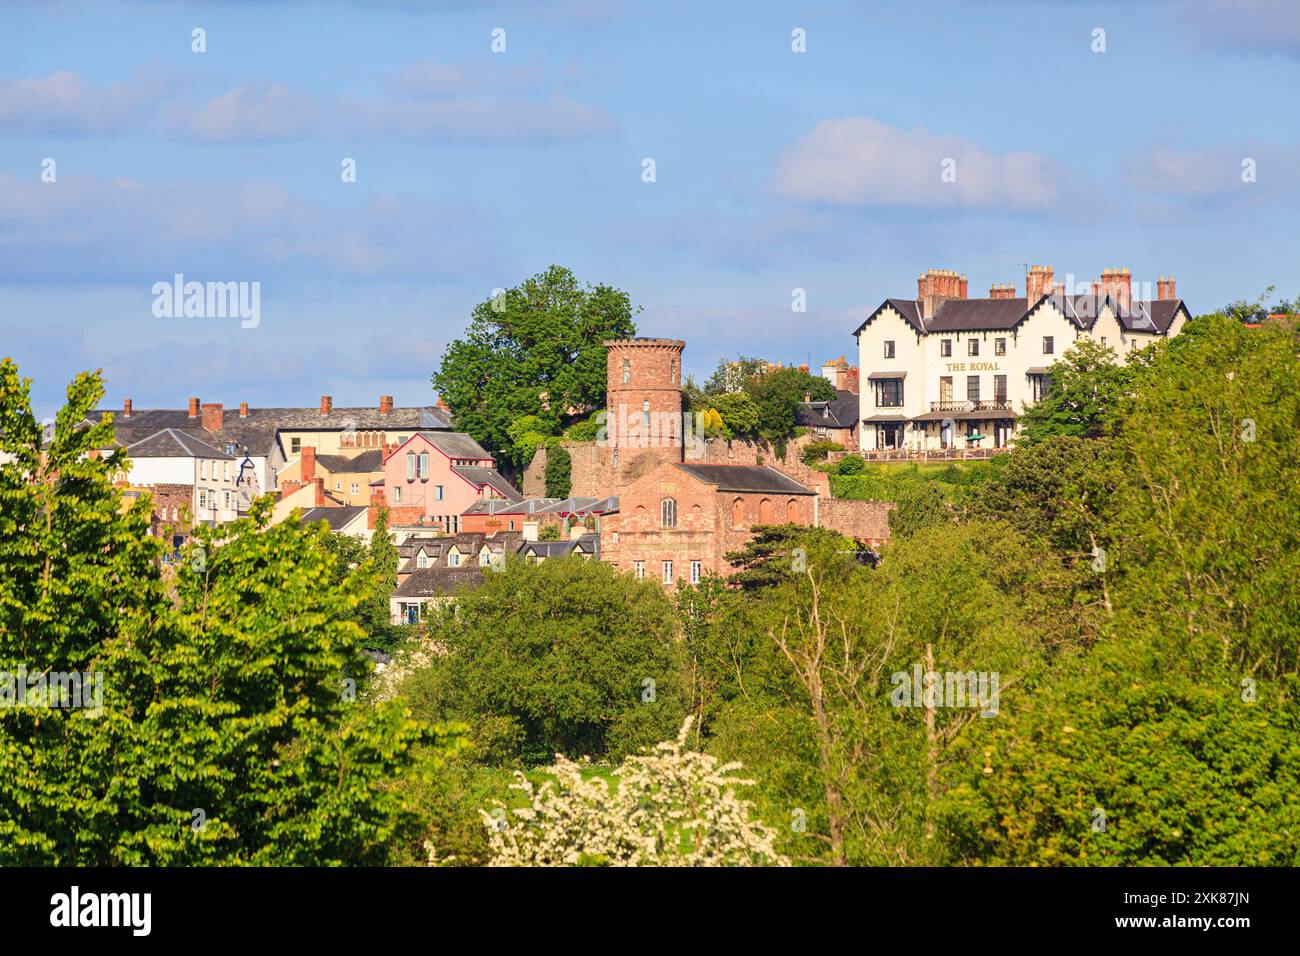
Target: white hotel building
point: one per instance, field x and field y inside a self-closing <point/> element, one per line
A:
<point x="941" y="368"/>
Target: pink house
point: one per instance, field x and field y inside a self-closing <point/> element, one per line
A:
<point x="433" y="477"/>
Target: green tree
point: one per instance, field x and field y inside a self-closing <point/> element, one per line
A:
<point x="777" y="396"/>
<point x="220" y="728"/>
<point x="563" y="656"/>
<point x="1086" y="389"/>
<point x="776" y="553"/>
<point x="377" y="560"/>
<point x="732" y="374"/>
<point x="738" y="412"/>
<point x="535" y="349"/>
<point x="559" y="472"/>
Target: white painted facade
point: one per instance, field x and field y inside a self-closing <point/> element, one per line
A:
<point x="927" y="390"/>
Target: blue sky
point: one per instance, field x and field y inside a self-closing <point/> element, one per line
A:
<point x="775" y="170"/>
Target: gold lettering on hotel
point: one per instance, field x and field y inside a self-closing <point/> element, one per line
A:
<point x="972" y="366"/>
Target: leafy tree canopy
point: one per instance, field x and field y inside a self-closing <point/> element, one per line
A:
<point x="534" y="350"/>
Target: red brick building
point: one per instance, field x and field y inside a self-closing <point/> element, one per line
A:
<point x="679" y="521"/>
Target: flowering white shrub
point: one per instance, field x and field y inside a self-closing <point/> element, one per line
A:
<point x="669" y="807"/>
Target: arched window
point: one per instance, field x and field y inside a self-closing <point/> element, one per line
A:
<point x="792" y="511"/>
<point x="765" y="512"/>
<point x="668" y="513"/>
<point x="627" y="371"/>
<point x="738" y="512"/>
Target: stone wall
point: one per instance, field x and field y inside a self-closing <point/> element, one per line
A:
<point x="866" y="521"/>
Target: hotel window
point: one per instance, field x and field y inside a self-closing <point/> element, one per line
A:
<point x="889" y="349"/>
<point x="668" y="513"/>
<point x="410" y="466"/>
<point x="945" y="388"/>
<point x="972" y="388"/>
<point x="999" y="346"/>
<point x="889" y="393"/>
<point x="295" y="445"/>
<point x="973" y="347"/>
<point x="424" y="464"/>
<point x="1000" y="388"/>
<point x="668" y="572"/>
<point x="945" y="348"/>
<point x="638" y="568"/>
<point x="695" y="572"/>
<point x="437" y="492"/>
<point x="1047" y="345"/>
<point x="627" y="371"/>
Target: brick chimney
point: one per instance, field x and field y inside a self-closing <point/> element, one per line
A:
<point x="319" y="483"/>
<point x="377" y="500"/>
<point x="936" y="287"/>
<point x="212" y="416"/>
<point x="442" y="403"/>
<point x="385" y="404"/>
<point x="194" y="408"/>
<point x="308" y="470"/>
<point x="326" y="405"/>
<point x="243" y="409"/>
<point x="1002" y="290"/>
<point x="126" y="408"/>
<point x="1165" y="288"/>
<point x="1038" y="283"/>
<point x="1117" y="283"/>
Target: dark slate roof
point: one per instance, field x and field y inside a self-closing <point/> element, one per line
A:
<point x="172" y="443"/>
<point x="336" y="518"/>
<point x="468" y="542"/>
<point x="746" y="478"/>
<point x="588" y="544"/>
<point x="979" y="315"/>
<point x="456" y="445"/>
<point x="478" y="477"/>
<point x="431" y="582"/>
<point x="372" y="459"/>
<point x="257" y="431"/>
<point x="841" y="413"/>
<point x="507" y="541"/>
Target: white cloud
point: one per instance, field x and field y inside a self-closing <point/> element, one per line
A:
<point x="63" y="103"/>
<point x="1216" y="172"/>
<point x="255" y="113"/>
<point x="860" y="161"/>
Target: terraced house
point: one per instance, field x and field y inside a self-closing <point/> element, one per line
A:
<point x="944" y="371"/>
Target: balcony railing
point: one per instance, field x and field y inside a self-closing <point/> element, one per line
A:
<point x="984" y="405"/>
<point x="931" y="454"/>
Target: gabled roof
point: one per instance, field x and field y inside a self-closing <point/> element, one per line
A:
<point x="571" y="506"/>
<point x="841" y="413"/>
<point x="480" y="477"/>
<point x="336" y="518"/>
<point x="432" y="582"/>
<point x="173" y="443"/>
<point x="992" y="315"/>
<point x="372" y="459"/>
<point x="587" y="544"/>
<point x="257" y="431"/>
<point x="456" y="445"/>
<point x="496" y="506"/>
<point x="758" y="479"/>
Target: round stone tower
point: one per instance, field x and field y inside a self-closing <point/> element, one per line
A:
<point x="643" y="415"/>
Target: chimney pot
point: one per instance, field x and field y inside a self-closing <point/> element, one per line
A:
<point x="307" y="471"/>
<point x="326" y="405"/>
<point x="194" y="408"/>
<point x="126" y="408"/>
<point x="385" y="404"/>
<point x="243" y="409"/>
